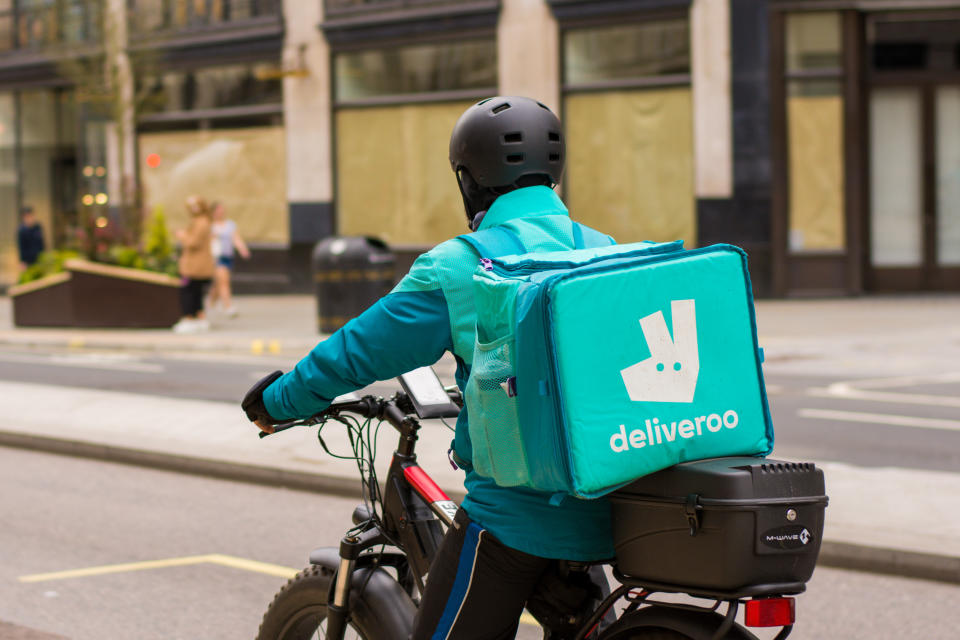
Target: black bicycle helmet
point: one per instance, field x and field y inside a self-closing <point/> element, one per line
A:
<point x="502" y="143"/>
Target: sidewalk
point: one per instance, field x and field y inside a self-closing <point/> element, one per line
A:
<point x="891" y="520"/>
<point x="266" y="324"/>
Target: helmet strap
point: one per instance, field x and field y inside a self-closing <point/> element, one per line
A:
<point x="476" y="198"/>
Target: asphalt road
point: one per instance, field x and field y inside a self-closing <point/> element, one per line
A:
<point x="909" y="422"/>
<point x="66" y="514"/>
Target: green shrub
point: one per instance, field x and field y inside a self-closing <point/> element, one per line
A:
<point x="158" y="253"/>
<point x="126" y="257"/>
<point x="158" y="247"/>
<point x="47" y="264"/>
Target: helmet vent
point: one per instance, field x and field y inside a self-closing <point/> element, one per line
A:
<point x="502" y="107"/>
<point x="515" y="158"/>
<point x="553" y="136"/>
<point x="554" y="157"/>
<point x="513" y="138"/>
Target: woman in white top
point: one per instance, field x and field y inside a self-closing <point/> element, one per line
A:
<point x="225" y="240"/>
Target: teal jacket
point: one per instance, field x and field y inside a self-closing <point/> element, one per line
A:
<point x="429" y="312"/>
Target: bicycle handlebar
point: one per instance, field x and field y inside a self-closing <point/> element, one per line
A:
<point x="369" y="407"/>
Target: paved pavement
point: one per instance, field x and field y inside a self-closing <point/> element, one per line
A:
<point x="892" y="520"/>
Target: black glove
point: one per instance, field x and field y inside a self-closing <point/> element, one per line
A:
<point x="253" y="402"/>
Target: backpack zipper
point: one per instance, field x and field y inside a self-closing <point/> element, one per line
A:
<point x="526" y="267"/>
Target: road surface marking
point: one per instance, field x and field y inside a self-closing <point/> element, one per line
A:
<point x="861" y="390"/>
<point x="881" y="418"/>
<point x="906" y="381"/>
<point x="84" y="361"/>
<point x="215" y="558"/>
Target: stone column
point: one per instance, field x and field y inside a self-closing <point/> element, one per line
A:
<point x="528" y="51"/>
<point x="307" y="111"/>
<point x="121" y="130"/>
<point x="712" y="119"/>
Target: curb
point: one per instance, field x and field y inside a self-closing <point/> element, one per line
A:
<point x="840" y="555"/>
<point x="162" y="343"/>
<point x="897" y="562"/>
<point x="249" y="473"/>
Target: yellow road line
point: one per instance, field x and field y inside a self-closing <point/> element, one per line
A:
<point x="223" y="560"/>
<point x="214" y="558"/>
<point x="252" y="565"/>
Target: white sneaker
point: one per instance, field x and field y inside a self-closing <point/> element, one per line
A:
<point x="201" y="326"/>
<point x="186" y="325"/>
<point x="232" y="311"/>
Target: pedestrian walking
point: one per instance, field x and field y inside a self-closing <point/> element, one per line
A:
<point x="196" y="266"/>
<point x="30" y="242"/>
<point x="226" y="243"/>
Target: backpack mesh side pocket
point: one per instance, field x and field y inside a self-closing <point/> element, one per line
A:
<point x="494" y="423"/>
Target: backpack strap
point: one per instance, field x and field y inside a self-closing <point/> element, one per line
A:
<point x="586" y="238"/>
<point x="495" y="242"/>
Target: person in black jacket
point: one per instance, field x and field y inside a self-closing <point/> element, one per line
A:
<point x="29" y="238"/>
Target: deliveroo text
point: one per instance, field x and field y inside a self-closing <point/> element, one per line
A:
<point x="656" y="433"/>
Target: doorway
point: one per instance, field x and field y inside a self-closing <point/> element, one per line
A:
<point x="913" y="111"/>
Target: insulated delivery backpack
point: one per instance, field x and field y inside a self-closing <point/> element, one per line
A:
<point x="596" y="366"/>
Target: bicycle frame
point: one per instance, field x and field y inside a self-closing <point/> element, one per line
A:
<point x="413" y="508"/>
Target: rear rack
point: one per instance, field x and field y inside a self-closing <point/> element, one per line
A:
<point x="748" y="591"/>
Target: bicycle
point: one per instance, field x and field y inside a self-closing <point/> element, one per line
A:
<point x="371" y="583"/>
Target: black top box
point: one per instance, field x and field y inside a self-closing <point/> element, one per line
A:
<point x="740" y="525"/>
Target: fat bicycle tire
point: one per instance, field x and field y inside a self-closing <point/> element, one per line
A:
<point x="299" y="610"/>
<point x="651" y="634"/>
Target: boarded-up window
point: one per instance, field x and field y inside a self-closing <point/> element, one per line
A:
<point x="815" y="132"/>
<point x="630" y="163"/>
<point x="815" y="138"/>
<point x="245" y="169"/>
<point x="629" y="121"/>
<point x="394" y="177"/>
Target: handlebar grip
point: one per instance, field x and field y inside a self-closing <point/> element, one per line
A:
<point x="252" y="403"/>
<point x="278" y="428"/>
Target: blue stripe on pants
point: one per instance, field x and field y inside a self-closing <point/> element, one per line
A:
<point x="468" y="555"/>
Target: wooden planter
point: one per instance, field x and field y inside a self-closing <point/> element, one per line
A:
<point x="89" y="294"/>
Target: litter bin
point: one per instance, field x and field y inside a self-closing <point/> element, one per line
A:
<point x="350" y="274"/>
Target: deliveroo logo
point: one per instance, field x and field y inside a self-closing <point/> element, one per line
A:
<point x="670" y="373"/>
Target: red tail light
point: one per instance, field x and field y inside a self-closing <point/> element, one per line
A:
<point x="770" y="612"/>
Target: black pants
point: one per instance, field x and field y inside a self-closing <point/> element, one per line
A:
<point x="191" y="296"/>
<point x="477" y="588"/>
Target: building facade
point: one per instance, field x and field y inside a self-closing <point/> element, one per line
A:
<point x="822" y="136"/>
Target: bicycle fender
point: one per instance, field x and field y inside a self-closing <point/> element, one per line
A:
<point x="697" y="625"/>
<point x="375" y="599"/>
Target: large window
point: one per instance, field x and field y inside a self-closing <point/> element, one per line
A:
<point x="216" y="131"/>
<point x="626" y="52"/>
<point x="416" y="70"/>
<point x="243" y="168"/>
<point x="31" y="24"/>
<point x="337" y="7"/>
<point x="815" y="132"/>
<point x="210" y="88"/>
<point x="629" y="122"/>
<point x="395" y="109"/>
<point x="7" y="35"/>
<point x="160" y="15"/>
<point x="8" y="188"/>
<point x="38" y="167"/>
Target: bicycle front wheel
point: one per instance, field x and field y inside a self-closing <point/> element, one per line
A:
<point x="299" y="610"/>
